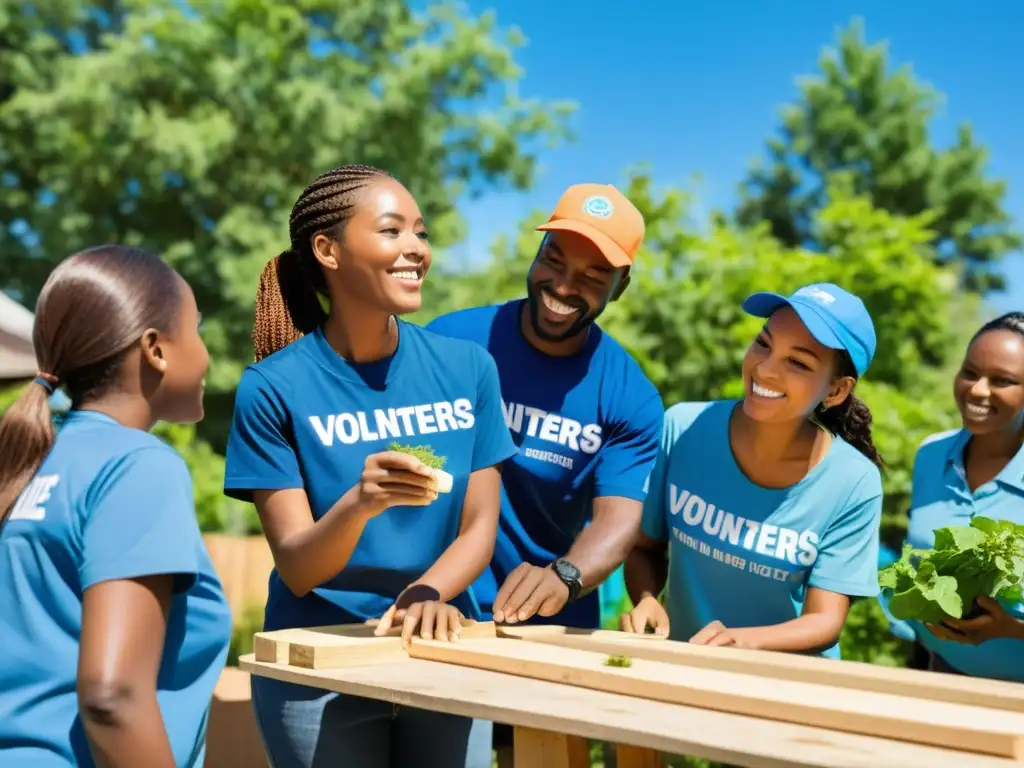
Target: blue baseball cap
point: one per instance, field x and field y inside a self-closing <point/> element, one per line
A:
<point x="835" y="317"/>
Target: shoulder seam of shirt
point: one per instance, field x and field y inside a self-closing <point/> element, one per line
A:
<point x="278" y="395"/>
<point x="939" y="436"/>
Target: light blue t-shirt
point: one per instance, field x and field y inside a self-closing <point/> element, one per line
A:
<point x="109" y="502"/>
<point x="744" y="554"/>
<point x="587" y="426"/>
<point x="941" y="498"/>
<point x="307" y="418"/>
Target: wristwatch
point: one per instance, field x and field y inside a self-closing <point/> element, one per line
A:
<point x="570" y="576"/>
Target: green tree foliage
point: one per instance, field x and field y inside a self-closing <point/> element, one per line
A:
<point x="859" y="117"/>
<point x="190" y="129"/>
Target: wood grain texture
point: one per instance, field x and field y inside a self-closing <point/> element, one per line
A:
<point x="672" y="729"/>
<point x="957" y="726"/>
<point x="935" y="686"/>
<point x="342" y="645"/>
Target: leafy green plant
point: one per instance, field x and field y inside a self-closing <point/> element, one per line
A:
<point x="983" y="559"/>
<point x="422" y="452"/>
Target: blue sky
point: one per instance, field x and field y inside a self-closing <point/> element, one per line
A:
<point x="695" y="88"/>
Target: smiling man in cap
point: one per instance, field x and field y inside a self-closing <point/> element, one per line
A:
<point x="585" y="417"/>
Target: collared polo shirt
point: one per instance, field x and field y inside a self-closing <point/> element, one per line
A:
<point x="941" y="497"/>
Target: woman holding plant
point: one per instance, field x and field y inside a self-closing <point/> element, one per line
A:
<point x="335" y="437"/>
<point x="763" y="513"/>
<point x="971" y="481"/>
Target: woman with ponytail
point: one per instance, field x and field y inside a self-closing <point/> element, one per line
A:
<point x="361" y="528"/>
<point x="113" y="624"/>
<point x="763" y="513"/>
<point x="977" y="470"/>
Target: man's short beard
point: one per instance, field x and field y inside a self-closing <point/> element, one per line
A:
<point x="585" y="319"/>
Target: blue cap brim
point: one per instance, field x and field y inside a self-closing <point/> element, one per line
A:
<point x="765" y="304"/>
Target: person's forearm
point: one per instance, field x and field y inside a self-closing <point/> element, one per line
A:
<point x="318" y="553"/>
<point x="125" y="730"/>
<point x="462" y="562"/>
<point x="600" y="548"/>
<point x="812" y="632"/>
<point x="645" y="573"/>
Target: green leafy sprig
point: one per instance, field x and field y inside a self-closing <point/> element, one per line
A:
<point x="422" y="452"/>
<point x="983" y="559"/>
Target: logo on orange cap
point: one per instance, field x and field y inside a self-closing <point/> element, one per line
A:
<point x="603" y="215"/>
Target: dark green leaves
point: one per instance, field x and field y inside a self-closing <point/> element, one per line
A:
<point x="984" y="559"/>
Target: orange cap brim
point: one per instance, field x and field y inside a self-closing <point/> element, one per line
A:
<point x="608" y="247"/>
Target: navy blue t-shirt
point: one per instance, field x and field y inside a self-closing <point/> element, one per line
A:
<point x="307" y="418"/>
<point x="587" y="425"/>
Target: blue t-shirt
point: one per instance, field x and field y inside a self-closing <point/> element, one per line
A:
<point x="745" y="554"/>
<point x="307" y="418"/>
<point x="109" y="502"/>
<point x="940" y="498"/>
<point x="587" y="425"/>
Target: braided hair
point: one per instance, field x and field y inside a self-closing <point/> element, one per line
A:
<point x="1011" y="321"/>
<point x="851" y="419"/>
<point x="287" y="301"/>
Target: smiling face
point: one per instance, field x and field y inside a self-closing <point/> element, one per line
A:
<point x="989" y="387"/>
<point x="383" y="253"/>
<point x="787" y="373"/>
<point x="569" y="286"/>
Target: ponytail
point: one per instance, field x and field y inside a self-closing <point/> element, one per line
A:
<point x="288" y="304"/>
<point x="851" y="420"/>
<point x="93" y="308"/>
<point x="26" y="436"/>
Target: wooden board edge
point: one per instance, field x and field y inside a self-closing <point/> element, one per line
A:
<point x="936" y="686"/>
<point x="1003" y="744"/>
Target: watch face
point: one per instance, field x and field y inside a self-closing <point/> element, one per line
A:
<point x="567" y="570"/>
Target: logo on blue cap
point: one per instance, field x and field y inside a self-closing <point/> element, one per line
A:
<point x="599" y="206"/>
<point x="818" y="294"/>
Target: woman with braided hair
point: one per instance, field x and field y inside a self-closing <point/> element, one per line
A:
<point x="977" y="470"/>
<point x="763" y="513"/>
<point x="362" y="529"/>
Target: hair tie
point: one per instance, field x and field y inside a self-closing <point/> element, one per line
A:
<point x="47" y="381"/>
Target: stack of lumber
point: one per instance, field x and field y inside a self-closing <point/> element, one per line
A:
<point x="966" y="714"/>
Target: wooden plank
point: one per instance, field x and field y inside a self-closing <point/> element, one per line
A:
<point x="540" y="749"/>
<point x="342" y="645"/>
<point x="672" y="729"/>
<point x="958" y="726"/>
<point x="636" y="757"/>
<point x="936" y="686"/>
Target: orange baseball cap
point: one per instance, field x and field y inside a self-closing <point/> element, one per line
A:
<point x="603" y="215"/>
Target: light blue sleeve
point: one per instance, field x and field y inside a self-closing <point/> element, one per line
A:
<point x="260" y="454"/>
<point x="654" y="522"/>
<point x="493" y="442"/>
<point x="847" y="560"/>
<point x="625" y="460"/>
<point x="139" y="520"/>
<point x="900" y="628"/>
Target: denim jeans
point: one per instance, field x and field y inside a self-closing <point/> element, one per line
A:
<point x="304" y="727"/>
